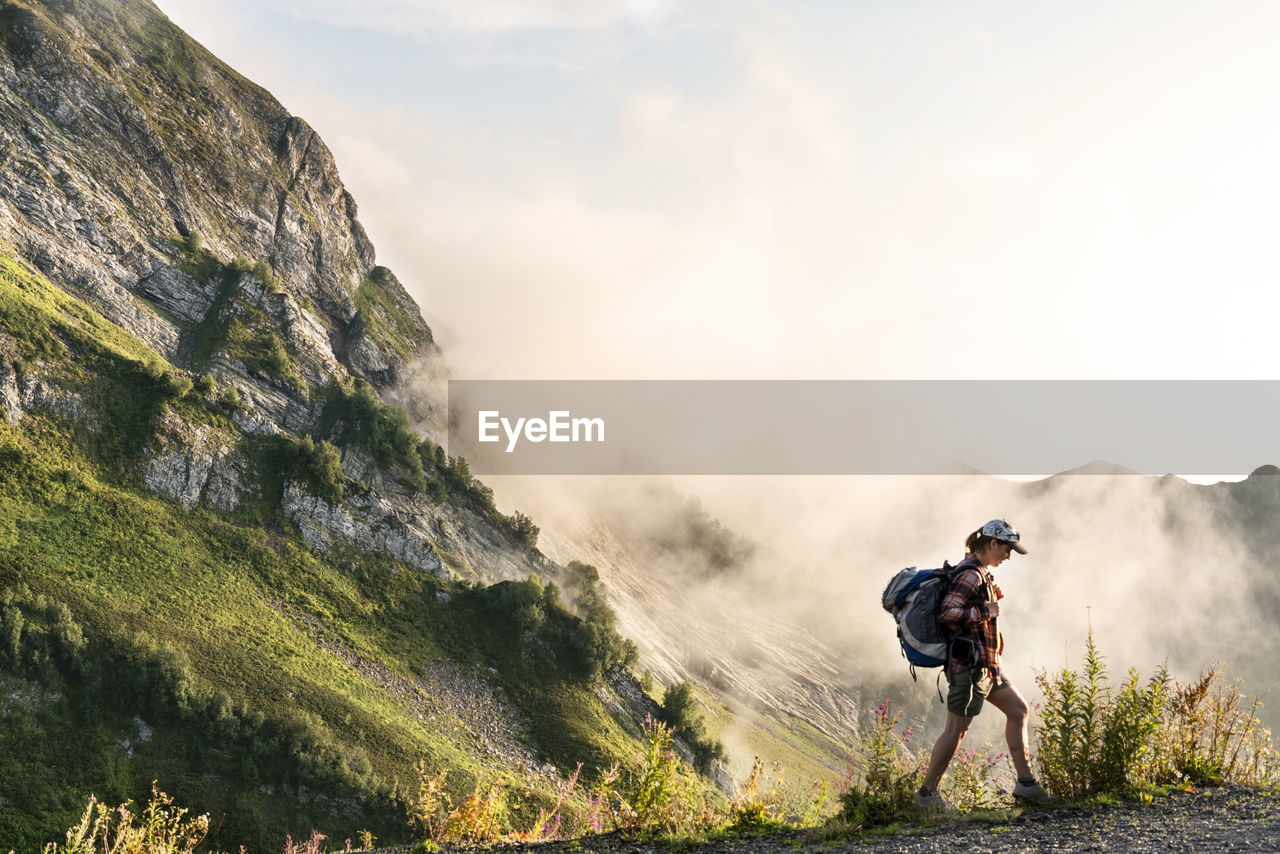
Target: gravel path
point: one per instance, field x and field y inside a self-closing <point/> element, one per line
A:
<point x="1224" y="819"/>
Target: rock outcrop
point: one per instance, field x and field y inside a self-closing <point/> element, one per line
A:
<point x="113" y="160"/>
<point x="187" y="206"/>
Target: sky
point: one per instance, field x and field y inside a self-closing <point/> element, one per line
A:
<point x="660" y="189"/>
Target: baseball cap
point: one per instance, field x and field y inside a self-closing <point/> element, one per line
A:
<point x="999" y="529"/>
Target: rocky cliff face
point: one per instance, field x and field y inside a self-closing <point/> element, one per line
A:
<point x="118" y="135"/>
<point x="189" y="207"/>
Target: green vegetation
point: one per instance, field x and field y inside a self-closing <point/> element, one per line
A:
<point x="602" y="647"/>
<point x="116" y="384"/>
<point x="678" y="710"/>
<point x="160" y="829"/>
<point x="653" y="793"/>
<point x="316" y="465"/>
<point x="385" y="312"/>
<point x="50" y="325"/>
<point x="1095" y="744"/>
<point x="242" y="330"/>
<point x="194" y="260"/>
<point x="135" y="608"/>
<point x="355" y="415"/>
<point x="139" y="642"/>
<point x="1096" y="739"/>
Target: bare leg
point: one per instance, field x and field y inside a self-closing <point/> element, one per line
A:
<point x="945" y="748"/>
<point x="1009" y="701"/>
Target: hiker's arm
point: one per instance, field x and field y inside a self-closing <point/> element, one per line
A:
<point x="956" y="610"/>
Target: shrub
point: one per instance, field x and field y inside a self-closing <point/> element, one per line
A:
<point x="1210" y="733"/>
<point x="1093" y="741"/>
<point x="194" y="260"/>
<point x="596" y="639"/>
<point x="525" y="532"/>
<point x="975" y="780"/>
<point x="678" y="710"/>
<point x="161" y="828"/>
<point x="661" y="795"/>
<point x="753" y="811"/>
<point x="266" y="276"/>
<point x="883" y="775"/>
<point x="478" y="817"/>
<point x="319" y="465"/>
<point x="428" y="804"/>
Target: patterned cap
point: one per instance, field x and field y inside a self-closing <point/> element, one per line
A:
<point x="999" y="529"/>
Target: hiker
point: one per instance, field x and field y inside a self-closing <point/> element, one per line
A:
<point x="974" y="675"/>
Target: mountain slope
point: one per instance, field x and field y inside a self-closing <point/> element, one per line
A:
<point x="225" y="563"/>
<point x="219" y="654"/>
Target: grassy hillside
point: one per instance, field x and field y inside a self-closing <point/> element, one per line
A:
<point x="218" y="655"/>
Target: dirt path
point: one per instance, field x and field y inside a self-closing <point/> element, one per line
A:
<point x="1225" y="819"/>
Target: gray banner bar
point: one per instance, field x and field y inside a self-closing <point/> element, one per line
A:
<point x="862" y="427"/>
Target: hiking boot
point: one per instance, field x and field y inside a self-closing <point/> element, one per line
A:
<point x="1033" y="792"/>
<point x="928" y="800"/>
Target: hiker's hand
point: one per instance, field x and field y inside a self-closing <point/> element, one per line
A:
<point x="993" y="610"/>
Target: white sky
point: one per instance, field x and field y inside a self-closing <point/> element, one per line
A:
<point x="761" y="189"/>
<point x="656" y="188"/>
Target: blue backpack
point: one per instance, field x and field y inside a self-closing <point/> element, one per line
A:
<point x="914" y="597"/>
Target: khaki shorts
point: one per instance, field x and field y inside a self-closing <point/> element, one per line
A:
<point x="967" y="693"/>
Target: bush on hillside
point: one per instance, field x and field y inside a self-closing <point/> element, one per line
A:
<point x="679" y="709"/>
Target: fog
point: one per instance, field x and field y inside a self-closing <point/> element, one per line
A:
<point x="1161" y="569"/>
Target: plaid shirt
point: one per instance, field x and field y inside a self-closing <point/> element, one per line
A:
<point x="965" y="610"/>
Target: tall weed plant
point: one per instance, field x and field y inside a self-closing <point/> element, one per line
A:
<point x="883" y="773"/>
<point x="1095" y="738"/>
<point x="886" y="769"/>
<point x="161" y="828"/>
<point x="756" y="809"/>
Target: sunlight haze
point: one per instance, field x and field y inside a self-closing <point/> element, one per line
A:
<point x="659" y="190"/>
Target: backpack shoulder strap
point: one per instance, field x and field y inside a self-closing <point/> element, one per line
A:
<point x="982" y="576"/>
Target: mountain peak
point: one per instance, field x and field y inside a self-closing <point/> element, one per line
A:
<point x="124" y="144"/>
<point x="1099" y="467"/>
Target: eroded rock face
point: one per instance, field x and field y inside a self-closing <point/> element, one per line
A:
<point x="181" y="461"/>
<point x="105" y="167"/>
<point x="10" y="397"/>
<point x="179" y="293"/>
<point x="364" y="522"/>
<point x="133" y="184"/>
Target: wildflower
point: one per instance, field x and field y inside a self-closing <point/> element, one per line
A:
<point x="93" y="799"/>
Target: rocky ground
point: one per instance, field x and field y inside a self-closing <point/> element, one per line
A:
<point x="1226" y="819"/>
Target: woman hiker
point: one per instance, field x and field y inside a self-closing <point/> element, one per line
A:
<point x="974" y="675"/>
